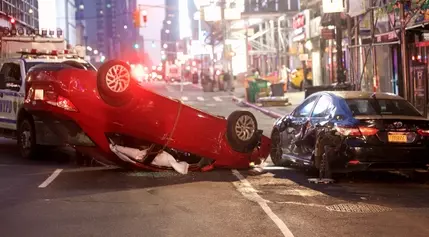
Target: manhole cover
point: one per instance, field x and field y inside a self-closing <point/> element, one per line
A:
<point x="153" y="174"/>
<point x="358" y="208"/>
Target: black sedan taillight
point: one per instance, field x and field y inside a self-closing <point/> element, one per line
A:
<point x="357" y="131"/>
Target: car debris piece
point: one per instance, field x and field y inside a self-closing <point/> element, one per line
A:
<point x="163" y="159"/>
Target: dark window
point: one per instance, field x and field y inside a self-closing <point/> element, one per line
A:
<point x="11" y="71"/>
<point x="381" y="107"/>
<point x="322" y="108"/>
<point x="305" y="108"/>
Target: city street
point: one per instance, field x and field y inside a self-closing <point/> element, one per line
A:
<point x="54" y="197"/>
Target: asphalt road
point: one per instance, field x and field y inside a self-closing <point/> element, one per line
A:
<point x="53" y="197"/>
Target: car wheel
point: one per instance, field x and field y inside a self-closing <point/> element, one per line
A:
<point x="325" y="168"/>
<point x="27" y="139"/>
<point x="114" y="80"/>
<point x="242" y="131"/>
<point x="276" y="150"/>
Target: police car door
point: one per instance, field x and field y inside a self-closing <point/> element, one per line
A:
<point x="10" y="96"/>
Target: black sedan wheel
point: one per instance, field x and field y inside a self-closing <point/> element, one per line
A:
<point x="276" y="150"/>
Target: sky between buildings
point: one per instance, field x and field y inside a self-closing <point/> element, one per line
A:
<point x="49" y="17"/>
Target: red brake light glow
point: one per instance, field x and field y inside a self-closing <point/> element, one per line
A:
<point x="51" y="98"/>
<point x="423" y="132"/>
<point x="357" y="131"/>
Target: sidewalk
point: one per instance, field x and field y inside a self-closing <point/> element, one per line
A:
<point x="295" y="98"/>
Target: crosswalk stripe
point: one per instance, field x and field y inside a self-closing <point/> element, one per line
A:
<point x="200" y="98"/>
<point x="184" y="98"/>
<point x="217" y="98"/>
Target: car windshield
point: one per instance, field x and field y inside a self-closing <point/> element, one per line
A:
<point x="386" y="107"/>
<point x="29" y="65"/>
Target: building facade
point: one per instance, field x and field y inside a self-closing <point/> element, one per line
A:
<point x="170" y="32"/>
<point x="25" y="12"/>
<point x="110" y="32"/>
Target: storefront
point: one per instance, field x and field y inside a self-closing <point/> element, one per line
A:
<point x="301" y="33"/>
<point x="314" y="47"/>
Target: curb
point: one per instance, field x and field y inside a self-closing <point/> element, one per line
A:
<point x="269" y="113"/>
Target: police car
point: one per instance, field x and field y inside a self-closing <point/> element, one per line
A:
<point x="15" y="122"/>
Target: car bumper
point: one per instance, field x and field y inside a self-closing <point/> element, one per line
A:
<point x="55" y="129"/>
<point x="383" y="158"/>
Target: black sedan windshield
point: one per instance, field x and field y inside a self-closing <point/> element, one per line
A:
<point x="384" y="106"/>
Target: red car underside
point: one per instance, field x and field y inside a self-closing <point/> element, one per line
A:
<point x="148" y="118"/>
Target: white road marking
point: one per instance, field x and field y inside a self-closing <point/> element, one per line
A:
<point x="211" y="105"/>
<point x="217" y="98"/>
<point x="50" y="178"/>
<point x="200" y="98"/>
<point x="184" y="98"/>
<point x="246" y="189"/>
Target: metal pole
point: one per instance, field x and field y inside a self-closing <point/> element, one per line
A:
<point x="339" y="45"/>
<point x="247" y="45"/>
<point x="279" y="35"/>
<point x="356" y="54"/>
<point x="404" y="51"/>
<point x="374" y="53"/>
<point x="349" y="36"/>
<point x="222" y="2"/>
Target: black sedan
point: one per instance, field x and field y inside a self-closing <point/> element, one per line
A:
<point x="345" y="131"/>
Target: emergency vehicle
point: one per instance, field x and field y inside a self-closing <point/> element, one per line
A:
<point x="17" y="55"/>
<point x="173" y="72"/>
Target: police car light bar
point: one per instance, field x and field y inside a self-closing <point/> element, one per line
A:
<point x="43" y="52"/>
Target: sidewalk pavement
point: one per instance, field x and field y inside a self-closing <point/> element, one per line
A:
<point x="295" y="98"/>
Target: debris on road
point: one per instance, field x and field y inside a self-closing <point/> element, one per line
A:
<point x="163" y="159"/>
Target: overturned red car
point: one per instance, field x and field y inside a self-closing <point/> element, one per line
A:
<point x="66" y="103"/>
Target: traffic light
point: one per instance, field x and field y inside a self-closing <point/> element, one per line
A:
<point x="12" y="20"/>
<point x="145" y="17"/>
<point x="136" y="19"/>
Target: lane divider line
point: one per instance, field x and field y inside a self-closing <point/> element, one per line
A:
<point x="217" y="98"/>
<point x="51" y="178"/>
<point x="247" y="190"/>
<point x="200" y="98"/>
<point x="265" y="111"/>
<point x="184" y="98"/>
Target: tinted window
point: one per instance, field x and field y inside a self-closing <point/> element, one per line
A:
<point x="29" y="65"/>
<point x="380" y="106"/>
<point x="304" y="109"/>
<point x="322" y="107"/>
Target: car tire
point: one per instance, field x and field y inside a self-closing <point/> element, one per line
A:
<point x="325" y="167"/>
<point x="114" y="80"/>
<point x="26" y="139"/>
<point x="242" y="131"/>
<point x="276" y="149"/>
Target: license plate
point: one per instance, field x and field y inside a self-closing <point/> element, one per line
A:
<point x="400" y="138"/>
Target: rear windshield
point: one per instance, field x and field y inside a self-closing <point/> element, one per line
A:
<point x="29" y="65"/>
<point x="384" y="106"/>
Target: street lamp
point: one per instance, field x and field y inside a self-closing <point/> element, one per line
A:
<point x="167" y="31"/>
<point x="81" y="7"/>
<point x="125" y="27"/>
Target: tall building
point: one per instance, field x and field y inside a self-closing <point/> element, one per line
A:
<point x="170" y="32"/>
<point x="59" y="14"/>
<point x="25" y="12"/>
<point x="109" y="29"/>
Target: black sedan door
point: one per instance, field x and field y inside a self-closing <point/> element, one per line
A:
<point x="297" y="121"/>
